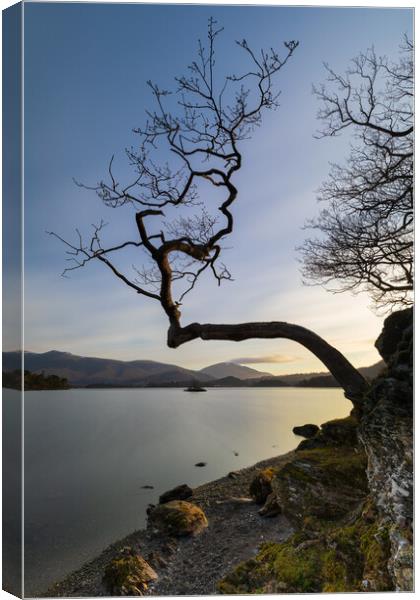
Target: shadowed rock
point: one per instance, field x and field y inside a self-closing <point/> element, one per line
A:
<point x="181" y="492"/>
<point x="307" y="431"/>
<point x="260" y="487"/>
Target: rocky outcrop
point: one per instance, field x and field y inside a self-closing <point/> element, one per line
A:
<point x="180" y="492"/>
<point x="177" y="518"/>
<point x="338" y="544"/>
<point x="386" y="432"/>
<point x="348" y="493"/>
<point x="128" y="575"/>
<point x="307" y="431"/>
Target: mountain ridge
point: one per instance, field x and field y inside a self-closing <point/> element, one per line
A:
<point x="84" y="370"/>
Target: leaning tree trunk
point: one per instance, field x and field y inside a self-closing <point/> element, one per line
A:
<point x="348" y="377"/>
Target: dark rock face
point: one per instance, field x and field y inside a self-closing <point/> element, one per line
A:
<point x="260" y="487"/>
<point x="128" y="575"/>
<point x="307" y="431"/>
<point x="394" y="329"/>
<point x="339" y="432"/>
<point x="177" y="518"/>
<point x="386" y="432"/>
<point x="181" y="492"/>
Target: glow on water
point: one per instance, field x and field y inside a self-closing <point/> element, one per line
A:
<point x="89" y="452"/>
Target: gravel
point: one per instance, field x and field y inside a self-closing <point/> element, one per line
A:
<point x="193" y="565"/>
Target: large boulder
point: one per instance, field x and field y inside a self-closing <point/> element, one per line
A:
<point x="177" y="518"/>
<point x="307" y="431"/>
<point x="260" y="487"/>
<point x="128" y="574"/>
<point x="322" y="484"/>
<point x="181" y="492"/>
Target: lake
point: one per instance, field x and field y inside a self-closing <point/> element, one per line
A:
<point x="89" y="452"/>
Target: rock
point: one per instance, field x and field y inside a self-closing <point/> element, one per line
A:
<point x="238" y="500"/>
<point x="392" y="332"/>
<point x="319" y="441"/>
<point x="200" y="464"/>
<point x="181" y="492"/>
<point x="260" y="487"/>
<point x="271" y="507"/>
<point x="233" y="474"/>
<point x="147" y="487"/>
<point x="322" y="484"/>
<point x="386" y="431"/>
<point x="128" y="574"/>
<point x="341" y="431"/>
<point x="307" y="431"/>
<point x="177" y="518"/>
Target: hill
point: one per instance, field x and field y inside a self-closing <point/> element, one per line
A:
<point x="230" y="369"/>
<point x="82" y="370"/>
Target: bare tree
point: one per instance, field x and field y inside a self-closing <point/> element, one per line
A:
<point x="365" y="233"/>
<point x="189" y="145"/>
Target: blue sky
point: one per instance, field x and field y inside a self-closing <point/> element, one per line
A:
<point x="86" y="67"/>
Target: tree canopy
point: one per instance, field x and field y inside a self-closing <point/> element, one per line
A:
<point x="363" y="238"/>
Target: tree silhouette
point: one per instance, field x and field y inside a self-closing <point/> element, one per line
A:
<point x="365" y="233"/>
<point x="191" y="146"/>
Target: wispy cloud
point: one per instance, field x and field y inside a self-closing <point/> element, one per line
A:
<point x="268" y="359"/>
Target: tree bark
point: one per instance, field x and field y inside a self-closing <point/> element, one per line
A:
<point x="348" y="377"/>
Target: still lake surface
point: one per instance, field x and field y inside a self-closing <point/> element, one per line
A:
<point x="89" y="452"/>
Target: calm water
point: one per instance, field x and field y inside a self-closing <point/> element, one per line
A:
<point x="89" y="452"/>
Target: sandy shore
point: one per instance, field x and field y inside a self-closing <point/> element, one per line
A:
<point x="194" y="565"/>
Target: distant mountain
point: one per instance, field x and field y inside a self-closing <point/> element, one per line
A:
<point x="227" y="369"/>
<point x="82" y="370"/>
<point x="103" y="372"/>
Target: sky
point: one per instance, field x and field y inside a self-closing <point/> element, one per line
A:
<point x="86" y="67"/>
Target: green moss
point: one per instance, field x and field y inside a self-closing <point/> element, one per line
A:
<point x="128" y="575"/>
<point x="298" y="569"/>
<point x="336" y="464"/>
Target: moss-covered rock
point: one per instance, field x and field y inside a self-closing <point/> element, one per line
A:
<point x="323" y="483"/>
<point x="260" y="487"/>
<point x="128" y="574"/>
<point x="341" y="431"/>
<point x="338" y="432"/>
<point x="350" y="557"/>
<point x="177" y="518"/>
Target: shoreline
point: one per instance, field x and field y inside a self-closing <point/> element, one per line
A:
<point x="193" y="565"/>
